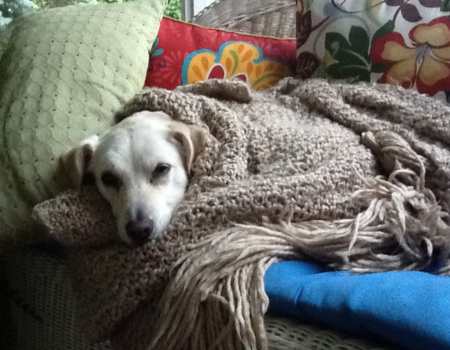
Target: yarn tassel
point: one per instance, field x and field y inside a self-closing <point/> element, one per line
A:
<point x="216" y="299"/>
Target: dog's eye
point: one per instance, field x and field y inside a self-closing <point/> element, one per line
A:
<point x="161" y="169"/>
<point x="111" y="180"/>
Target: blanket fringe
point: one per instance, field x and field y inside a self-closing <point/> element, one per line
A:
<point x="401" y="229"/>
<point x="216" y="298"/>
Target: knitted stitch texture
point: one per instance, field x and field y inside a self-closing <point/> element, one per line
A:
<point x="309" y="153"/>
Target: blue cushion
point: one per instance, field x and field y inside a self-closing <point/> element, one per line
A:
<point x="408" y="309"/>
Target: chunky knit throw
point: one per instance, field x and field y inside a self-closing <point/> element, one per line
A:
<point x="355" y="176"/>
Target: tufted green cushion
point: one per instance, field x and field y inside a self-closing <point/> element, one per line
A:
<point x="62" y="75"/>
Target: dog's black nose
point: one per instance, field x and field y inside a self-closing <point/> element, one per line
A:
<point x="140" y="230"/>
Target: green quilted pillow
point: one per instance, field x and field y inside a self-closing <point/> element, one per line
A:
<point x="62" y="75"/>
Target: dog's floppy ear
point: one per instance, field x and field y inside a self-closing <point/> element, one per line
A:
<point x="75" y="162"/>
<point x="191" y="141"/>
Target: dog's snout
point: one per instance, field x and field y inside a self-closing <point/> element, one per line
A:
<point x="139" y="230"/>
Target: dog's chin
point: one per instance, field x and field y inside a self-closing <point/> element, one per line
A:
<point x="123" y="238"/>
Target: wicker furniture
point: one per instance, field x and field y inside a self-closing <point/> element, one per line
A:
<point x="260" y="17"/>
<point x="41" y="282"/>
<point x="44" y="316"/>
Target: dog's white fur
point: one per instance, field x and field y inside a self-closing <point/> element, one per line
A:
<point x="141" y="166"/>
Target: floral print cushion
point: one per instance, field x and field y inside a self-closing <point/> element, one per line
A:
<point x="402" y="42"/>
<point x="184" y="53"/>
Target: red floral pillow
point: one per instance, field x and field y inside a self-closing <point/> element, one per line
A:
<point x="402" y="42"/>
<point x="184" y="53"/>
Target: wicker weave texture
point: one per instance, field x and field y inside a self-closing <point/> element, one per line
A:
<point x="44" y="313"/>
<point x="287" y="334"/>
<point x="49" y="319"/>
<point x="259" y="17"/>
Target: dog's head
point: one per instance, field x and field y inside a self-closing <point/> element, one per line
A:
<point x="141" y="167"/>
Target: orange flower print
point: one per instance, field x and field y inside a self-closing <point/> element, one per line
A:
<point x="234" y="60"/>
<point x="426" y="63"/>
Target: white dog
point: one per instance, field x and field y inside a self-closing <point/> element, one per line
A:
<point x="141" y="167"/>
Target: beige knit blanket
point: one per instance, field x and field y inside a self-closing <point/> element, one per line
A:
<point x="355" y="176"/>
